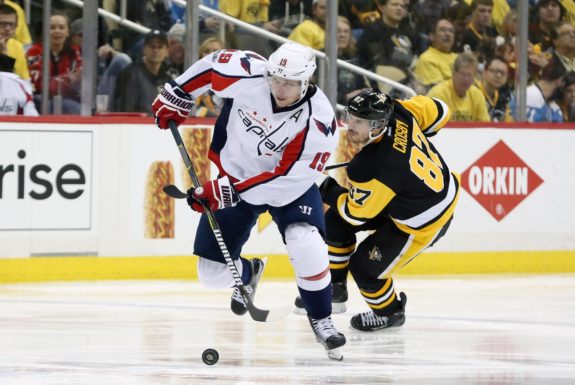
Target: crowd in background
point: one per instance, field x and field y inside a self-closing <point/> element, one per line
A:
<point x="461" y="51"/>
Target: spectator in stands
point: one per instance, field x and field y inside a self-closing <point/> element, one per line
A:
<point x="500" y="9"/>
<point x="250" y="11"/>
<point x="385" y="42"/>
<point x="538" y="58"/>
<point x="138" y="83"/>
<point x="540" y="104"/>
<point x="459" y="13"/>
<point x="176" y="53"/>
<point x="210" y="45"/>
<point x="255" y="12"/>
<point x="508" y="29"/>
<point x="349" y="84"/>
<point x="495" y="89"/>
<point x="436" y="63"/>
<point x="506" y="48"/>
<point x="563" y="37"/>
<point x="569" y="6"/>
<point x="360" y="13"/>
<point x="567" y="98"/>
<point x="480" y="33"/>
<point x="545" y="15"/>
<point x="285" y="15"/>
<point x="428" y="12"/>
<point x="21" y="33"/>
<point x="74" y="14"/>
<point x="464" y="99"/>
<point x="208" y="23"/>
<point x="65" y="66"/>
<point x="9" y="46"/>
<point x="154" y="14"/>
<point x="110" y="64"/>
<point x="209" y="104"/>
<point x="312" y="31"/>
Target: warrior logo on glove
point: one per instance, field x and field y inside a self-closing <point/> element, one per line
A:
<point x="180" y="103"/>
<point x="173" y="103"/>
<point x="215" y="194"/>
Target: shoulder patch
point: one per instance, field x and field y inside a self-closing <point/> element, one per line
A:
<point x="246" y="65"/>
<point x="326" y="128"/>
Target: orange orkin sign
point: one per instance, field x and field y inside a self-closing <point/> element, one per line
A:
<point x="500" y="180"/>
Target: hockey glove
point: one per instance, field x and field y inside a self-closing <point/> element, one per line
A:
<point x="173" y="103"/>
<point x="330" y="190"/>
<point x="216" y="194"/>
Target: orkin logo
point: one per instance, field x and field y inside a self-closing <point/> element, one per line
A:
<point x="500" y="180"/>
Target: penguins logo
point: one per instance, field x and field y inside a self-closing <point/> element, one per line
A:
<point x="375" y="255"/>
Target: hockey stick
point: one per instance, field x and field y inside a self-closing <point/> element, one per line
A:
<point x="337" y="165"/>
<point x="257" y="314"/>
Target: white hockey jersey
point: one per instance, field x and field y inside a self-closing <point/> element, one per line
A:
<point x="272" y="154"/>
<point x="15" y="96"/>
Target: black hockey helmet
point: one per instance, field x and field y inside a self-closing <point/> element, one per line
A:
<point x="372" y="105"/>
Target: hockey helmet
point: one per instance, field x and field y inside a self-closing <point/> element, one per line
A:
<point x="293" y="61"/>
<point x="372" y="105"/>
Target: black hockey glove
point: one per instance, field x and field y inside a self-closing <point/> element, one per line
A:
<point x="330" y="190"/>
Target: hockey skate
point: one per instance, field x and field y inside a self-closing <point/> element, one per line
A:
<point x="369" y="321"/>
<point x="257" y="265"/>
<point x="327" y="335"/>
<point x="338" y="300"/>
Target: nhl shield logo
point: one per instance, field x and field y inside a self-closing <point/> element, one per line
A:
<point x="375" y="255"/>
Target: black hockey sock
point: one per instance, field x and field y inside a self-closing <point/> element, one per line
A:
<point x="339" y="275"/>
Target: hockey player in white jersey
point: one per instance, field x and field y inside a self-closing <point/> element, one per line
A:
<point x="271" y="141"/>
<point x="15" y="96"/>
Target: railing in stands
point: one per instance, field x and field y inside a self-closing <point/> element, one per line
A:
<point x="408" y="91"/>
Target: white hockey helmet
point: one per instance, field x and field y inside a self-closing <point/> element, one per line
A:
<point x="293" y="61"/>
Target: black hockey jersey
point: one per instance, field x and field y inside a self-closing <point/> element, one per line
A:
<point x="401" y="174"/>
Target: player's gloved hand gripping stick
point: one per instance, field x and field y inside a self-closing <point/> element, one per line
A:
<point x="171" y="190"/>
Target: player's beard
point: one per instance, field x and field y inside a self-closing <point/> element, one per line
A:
<point x="355" y="138"/>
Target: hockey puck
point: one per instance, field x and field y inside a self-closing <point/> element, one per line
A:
<point x="210" y="356"/>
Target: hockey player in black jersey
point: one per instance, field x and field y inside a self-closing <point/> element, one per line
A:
<point x="400" y="188"/>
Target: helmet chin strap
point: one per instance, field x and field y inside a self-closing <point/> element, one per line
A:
<point x="374" y="137"/>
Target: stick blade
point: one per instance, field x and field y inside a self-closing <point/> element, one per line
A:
<point x="271" y="315"/>
<point x="174" y="192"/>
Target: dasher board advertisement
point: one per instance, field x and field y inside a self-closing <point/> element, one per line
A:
<point x="45" y="179"/>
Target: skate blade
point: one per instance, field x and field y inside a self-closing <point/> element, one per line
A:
<point x="265" y="261"/>
<point x="335" y="354"/>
